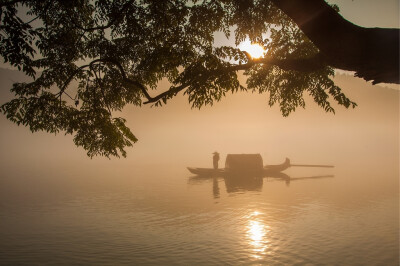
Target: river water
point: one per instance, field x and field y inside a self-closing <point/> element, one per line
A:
<point x="158" y="215"/>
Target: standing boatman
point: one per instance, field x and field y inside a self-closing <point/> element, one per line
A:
<point x="215" y="160"/>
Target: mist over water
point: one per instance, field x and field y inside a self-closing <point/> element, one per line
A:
<point x="59" y="207"/>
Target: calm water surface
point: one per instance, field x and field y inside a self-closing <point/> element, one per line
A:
<point x="159" y="214"/>
<point x="57" y="207"/>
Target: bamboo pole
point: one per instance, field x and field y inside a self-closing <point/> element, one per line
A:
<point x="312" y="165"/>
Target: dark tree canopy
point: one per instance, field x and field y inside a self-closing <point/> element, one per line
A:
<point x="90" y="58"/>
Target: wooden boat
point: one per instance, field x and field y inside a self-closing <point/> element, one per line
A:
<point x="247" y="165"/>
<point x="267" y="170"/>
<point x="277" y="168"/>
<point x="206" y="171"/>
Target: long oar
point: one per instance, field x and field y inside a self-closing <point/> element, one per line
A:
<point x="310" y="177"/>
<point x="313" y="165"/>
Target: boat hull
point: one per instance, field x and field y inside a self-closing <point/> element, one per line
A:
<point x="223" y="172"/>
<point x="268" y="169"/>
<point x="206" y="171"/>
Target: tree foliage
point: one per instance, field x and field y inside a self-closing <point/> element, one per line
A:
<point x="89" y="59"/>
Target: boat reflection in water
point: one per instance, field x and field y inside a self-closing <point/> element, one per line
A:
<point x="244" y="183"/>
<point x="245" y="172"/>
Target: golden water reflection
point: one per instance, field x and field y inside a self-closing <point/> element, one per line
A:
<point x="257" y="235"/>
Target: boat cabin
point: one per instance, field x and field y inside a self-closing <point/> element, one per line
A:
<point x="249" y="164"/>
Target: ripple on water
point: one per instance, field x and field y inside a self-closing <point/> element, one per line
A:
<point x="132" y="227"/>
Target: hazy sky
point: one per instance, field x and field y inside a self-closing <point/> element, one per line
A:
<point x="370" y="13"/>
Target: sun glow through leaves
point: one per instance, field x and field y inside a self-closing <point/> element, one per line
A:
<point x="254" y="49"/>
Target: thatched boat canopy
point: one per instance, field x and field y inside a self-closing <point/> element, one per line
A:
<point x="244" y="162"/>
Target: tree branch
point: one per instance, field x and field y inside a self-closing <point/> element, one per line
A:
<point x="373" y="53"/>
<point x="303" y="65"/>
<point x="98" y="80"/>
<point x="175" y="90"/>
<point x="110" y="23"/>
<point x="171" y="91"/>
<point x="142" y="88"/>
<point x="310" y="64"/>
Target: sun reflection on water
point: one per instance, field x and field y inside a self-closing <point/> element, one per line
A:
<point x="257" y="235"/>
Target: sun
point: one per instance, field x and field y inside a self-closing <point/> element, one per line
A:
<point x="255" y="50"/>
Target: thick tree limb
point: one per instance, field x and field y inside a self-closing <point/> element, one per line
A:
<point x="297" y="64"/>
<point x="373" y="53"/>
